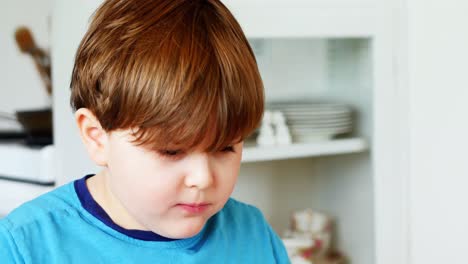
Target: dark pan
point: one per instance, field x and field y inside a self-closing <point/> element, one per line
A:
<point x="36" y="122"/>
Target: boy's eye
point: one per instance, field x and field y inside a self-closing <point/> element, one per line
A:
<point x="174" y="154"/>
<point x="228" y="149"/>
<point x="170" y="154"/>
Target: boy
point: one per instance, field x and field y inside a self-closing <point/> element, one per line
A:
<point x="164" y="93"/>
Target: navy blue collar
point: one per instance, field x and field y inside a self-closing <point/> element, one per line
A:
<point x="90" y="205"/>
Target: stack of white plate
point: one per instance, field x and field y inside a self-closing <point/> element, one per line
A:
<point x="315" y="121"/>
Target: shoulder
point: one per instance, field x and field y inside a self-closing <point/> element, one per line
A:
<point x="247" y="221"/>
<point x="241" y="217"/>
<point x="29" y="222"/>
<point x="233" y="204"/>
<point x="9" y="251"/>
<point x="59" y="201"/>
<point x="237" y="210"/>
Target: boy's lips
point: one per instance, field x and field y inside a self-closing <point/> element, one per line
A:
<point x="194" y="208"/>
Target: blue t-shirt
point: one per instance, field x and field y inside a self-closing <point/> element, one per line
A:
<point x="59" y="227"/>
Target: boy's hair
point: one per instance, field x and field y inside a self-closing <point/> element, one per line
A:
<point x="176" y="72"/>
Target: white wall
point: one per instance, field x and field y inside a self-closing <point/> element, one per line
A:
<point x="438" y="70"/>
<point x="70" y="23"/>
<point x="20" y="83"/>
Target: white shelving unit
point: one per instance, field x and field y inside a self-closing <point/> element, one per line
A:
<point x="304" y="150"/>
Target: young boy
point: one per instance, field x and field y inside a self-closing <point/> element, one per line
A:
<point x="164" y="92"/>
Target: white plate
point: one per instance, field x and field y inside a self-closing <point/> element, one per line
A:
<point x="306" y="131"/>
<point x="309" y="107"/>
<point x="318" y="133"/>
<point x="305" y="105"/>
<point x="306" y="120"/>
<point x="315" y="126"/>
<point x="318" y="118"/>
<point x="316" y="112"/>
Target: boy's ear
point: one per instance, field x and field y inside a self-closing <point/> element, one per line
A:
<point x="93" y="135"/>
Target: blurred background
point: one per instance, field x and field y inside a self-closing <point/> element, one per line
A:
<point x="360" y="157"/>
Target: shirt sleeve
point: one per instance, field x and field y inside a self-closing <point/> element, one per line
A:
<point x="8" y="249"/>
<point x="276" y="244"/>
<point x="279" y="250"/>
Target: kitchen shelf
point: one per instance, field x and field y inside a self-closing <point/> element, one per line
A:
<point x="323" y="148"/>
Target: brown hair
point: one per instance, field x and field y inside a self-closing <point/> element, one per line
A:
<point x="177" y="72"/>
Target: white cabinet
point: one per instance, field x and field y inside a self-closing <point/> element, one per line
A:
<point x="346" y="53"/>
<point x="340" y="49"/>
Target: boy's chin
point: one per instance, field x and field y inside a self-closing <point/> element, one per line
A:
<point x="187" y="230"/>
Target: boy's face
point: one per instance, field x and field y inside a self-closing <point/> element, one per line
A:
<point x="170" y="193"/>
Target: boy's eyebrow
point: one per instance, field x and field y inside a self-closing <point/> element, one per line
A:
<point x="180" y="147"/>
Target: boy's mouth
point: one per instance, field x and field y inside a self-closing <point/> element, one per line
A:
<point x="194" y="208"/>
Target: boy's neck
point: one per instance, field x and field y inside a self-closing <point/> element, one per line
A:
<point x="99" y="189"/>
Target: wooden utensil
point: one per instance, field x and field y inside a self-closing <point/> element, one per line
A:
<point x="26" y="43"/>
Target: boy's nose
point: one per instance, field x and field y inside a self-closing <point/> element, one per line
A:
<point x="200" y="173"/>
